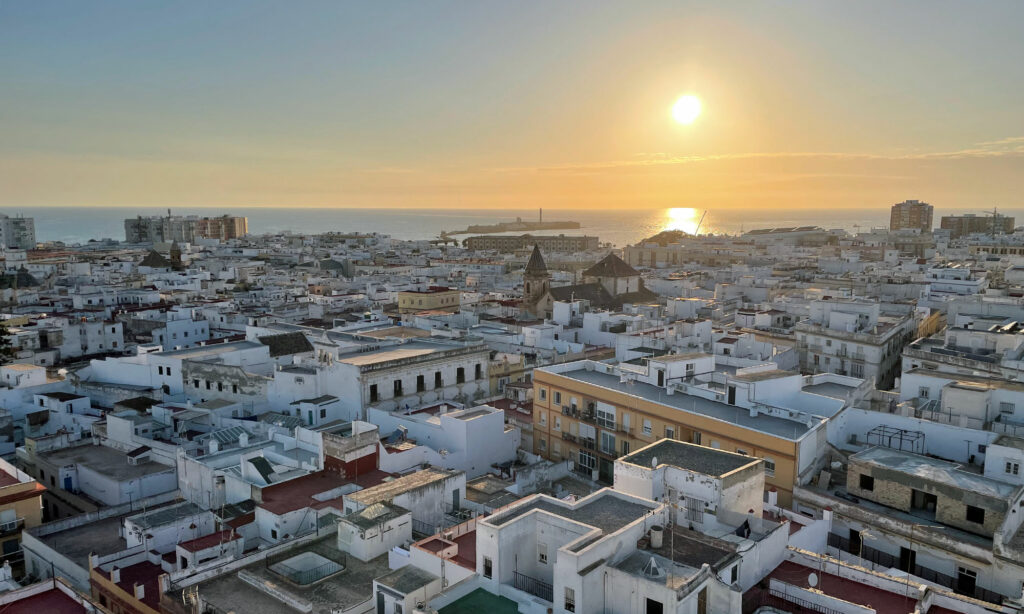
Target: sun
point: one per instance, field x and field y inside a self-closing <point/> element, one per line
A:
<point x="686" y="109"/>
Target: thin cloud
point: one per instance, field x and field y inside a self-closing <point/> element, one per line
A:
<point x="1007" y="147"/>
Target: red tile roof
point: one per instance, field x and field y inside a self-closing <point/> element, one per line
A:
<point x="209" y="541"/>
<point x="52" y="601"/>
<point x="296" y="494"/>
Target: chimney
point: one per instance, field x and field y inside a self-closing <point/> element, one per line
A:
<point x="214" y="446"/>
<point x="140" y="591"/>
<point x="773" y="497"/>
<point x="115" y="575"/>
<point x="243" y="439"/>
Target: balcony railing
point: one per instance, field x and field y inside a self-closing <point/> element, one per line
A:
<point x="12" y="526"/>
<point x="884" y="559"/>
<point x="568" y="436"/>
<point x="588" y="443"/>
<point x="537" y="588"/>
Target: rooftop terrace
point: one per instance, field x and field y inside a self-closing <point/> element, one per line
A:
<point x="708" y="461"/>
<point x="779" y="427"/>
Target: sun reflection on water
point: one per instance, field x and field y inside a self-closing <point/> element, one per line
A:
<point x="682" y="218"/>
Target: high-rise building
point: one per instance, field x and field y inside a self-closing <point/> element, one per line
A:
<point x="223" y="227"/>
<point x="165" y="229"/>
<point x="961" y="225"/>
<point x="911" y="214"/>
<point x="17" y="232"/>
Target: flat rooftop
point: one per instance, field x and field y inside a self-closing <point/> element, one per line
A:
<point x="708" y="461"/>
<point x="53" y="601"/>
<point x="166" y="515"/>
<point x="935" y="470"/>
<point x="339" y="592"/>
<point x="603" y="511"/>
<point x="779" y="427"/>
<point x="101" y="459"/>
<point x="207" y="351"/>
<point x="830" y="389"/>
<point x="99" y="537"/>
<point x="386" y="491"/>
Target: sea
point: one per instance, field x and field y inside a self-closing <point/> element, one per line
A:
<point x="74" y="225"/>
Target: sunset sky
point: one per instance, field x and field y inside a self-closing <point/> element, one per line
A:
<point x="511" y="104"/>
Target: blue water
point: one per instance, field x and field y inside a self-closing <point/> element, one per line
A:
<point x="80" y="224"/>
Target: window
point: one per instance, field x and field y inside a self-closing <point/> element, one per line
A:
<point x="605" y="418"/>
<point x="542" y="418"/>
<point x="421" y="383"/>
<point x="670" y="432"/>
<point x="542" y="445"/>
<point x="478" y="372"/>
<point x="323" y="412"/>
<point x="867" y="482"/>
<point x="607" y="442"/>
<point x="625" y="447"/>
<point x="702" y="601"/>
<point x="922" y="392"/>
<point x="769" y="467"/>
<point x="195" y="383"/>
<point x="208" y="384"/>
<point x="558" y="423"/>
<point x="168" y="370"/>
<point x="695" y="509"/>
<point x="488" y="567"/>
<point x="159" y="370"/>
<point x="975" y="514"/>
<point x="647" y="427"/>
<point x="696" y="437"/>
<point x="1006" y="408"/>
<point x="460" y="375"/>
<point x="543" y="394"/>
<point x="273" y="534"/>
<point x="587" y="460"/>
<point x="734" y="574"/>
<point x="373" y="393"/>
<point x="570" y="600"/>
<point x="1012" y="468"/>
<point x="542" y="553"/>
<point x="234" y="388"/>
<point x="398" y="387"/>
<point x="220" y="386"/>
<point x="558" y="398"/>
<point x="741" y="451"/>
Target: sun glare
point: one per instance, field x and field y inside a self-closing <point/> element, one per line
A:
<point x="682" y="218"/>
<point x="686" y="109"/>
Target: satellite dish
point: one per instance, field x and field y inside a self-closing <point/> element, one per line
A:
<point x="812" y="579"/>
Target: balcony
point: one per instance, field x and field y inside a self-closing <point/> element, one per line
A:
<point x="533" y="586"/>
<point x="569" y="437"/>
<point x="886" y="560"/>
<point x="11" y="526"/>
<point x="588" y="443"/>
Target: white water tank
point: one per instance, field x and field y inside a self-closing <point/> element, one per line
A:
<point x="657" y="535"/>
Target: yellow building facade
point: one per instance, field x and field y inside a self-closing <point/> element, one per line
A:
<point x="567" y="421"/>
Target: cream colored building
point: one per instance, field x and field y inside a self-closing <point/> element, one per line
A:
<point x="592" y="413"/>
<point x="435" y="298"/>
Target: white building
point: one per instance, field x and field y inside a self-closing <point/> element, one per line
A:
<point x="850" y="337"/>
